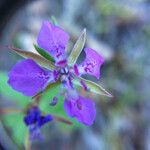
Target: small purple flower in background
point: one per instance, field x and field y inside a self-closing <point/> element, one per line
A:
<point x="35" y="73"/>
<point x="34" y="121"/>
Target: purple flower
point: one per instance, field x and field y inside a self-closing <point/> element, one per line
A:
<point x="34" y="120"/>
<point x="30" y="78"/>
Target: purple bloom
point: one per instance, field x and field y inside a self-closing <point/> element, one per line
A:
<point x="83" y="109"/>
<point x="34" y="120"/>
<point x="29" y="78"/>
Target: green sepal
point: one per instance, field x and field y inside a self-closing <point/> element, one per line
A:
<point x="37" y="58"/>
<point x="43" y="53"/>
<point x="77" y="49"/>
<point x="54" y="21"/>
<point x="93" y="87"/>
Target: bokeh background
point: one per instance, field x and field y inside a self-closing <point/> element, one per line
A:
<point x="120" y="31"/>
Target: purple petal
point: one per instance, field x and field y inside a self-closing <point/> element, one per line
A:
<point x="83" y="109"/>
<point x="92" y="63"/>
<point x="28" y="77"/>
<point x="54" y="40"/>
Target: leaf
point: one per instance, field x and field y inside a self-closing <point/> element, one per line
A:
<point x="43" y="53"/>
<point x="18" y="132"/>
<point x="77" y="49"/>
<point x="54" y="21"/>
<point x="37" y="58"/>
<point x="13" y="115"/>
<point x="95" y="88"/>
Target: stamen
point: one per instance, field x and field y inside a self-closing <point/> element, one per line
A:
<point x="76" y="70"/>
<point x="62" y="63"/>
<point x="64" y="71"/>
<point x="84" y="85"/>
<point x="54" y="101"/>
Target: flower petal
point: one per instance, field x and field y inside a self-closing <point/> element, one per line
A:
<point x="54" y="40"/>
<point x="28" y="77"/>
<point x="82" y="108"/>
<point x="91" y="65"/>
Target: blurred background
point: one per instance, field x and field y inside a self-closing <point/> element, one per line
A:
<point x="117" y="29"/>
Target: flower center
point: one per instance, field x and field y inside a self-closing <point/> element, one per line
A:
<point x="65" y="77"/>
<point x="64" y="71"/>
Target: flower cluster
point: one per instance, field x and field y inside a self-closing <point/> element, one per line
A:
<point x="34" y="120"/>
<point x="30" y="77"/>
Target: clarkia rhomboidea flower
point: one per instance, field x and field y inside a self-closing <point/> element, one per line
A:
<point x="36" y="73"/>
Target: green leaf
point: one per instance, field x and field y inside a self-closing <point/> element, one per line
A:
<point x="18" y="132"/>
<point x="77" y="49"/>
<point x="44" y="53"/>
<point x="37" y="58"/>
<point x="9" y="120"/>
<point x="54" y="21"/>
<point x="95" y="88"/>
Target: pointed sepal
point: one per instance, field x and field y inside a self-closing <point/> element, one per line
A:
<point x="43" y="53"/>
<point x="77" y="49"/>
<point x="54" y="21"/>
<point x="37" y="58"/>
<point x="93" y="87"/>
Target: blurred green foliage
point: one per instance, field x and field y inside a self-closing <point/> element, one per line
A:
<point x="14" y="122"/>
